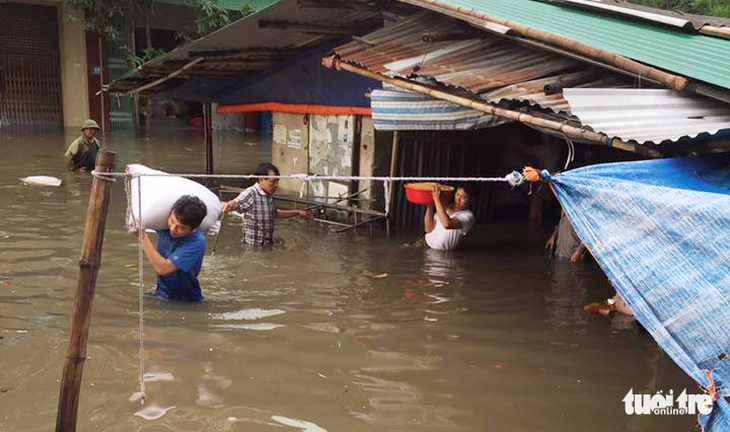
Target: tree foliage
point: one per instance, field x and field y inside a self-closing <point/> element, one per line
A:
<point x="105" y="17"/>
<point x="108" y="17"/>
<point x="210" y="16"/>
<point x="720" y="8"/>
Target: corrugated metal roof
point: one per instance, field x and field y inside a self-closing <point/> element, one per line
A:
<point x="496" y="68"/>
<point x="697" y="56"/>
<point x="647" y="115"/>
<point x="244" y="48"/>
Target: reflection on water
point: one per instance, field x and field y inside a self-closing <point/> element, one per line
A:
<point x="301" y="336"/>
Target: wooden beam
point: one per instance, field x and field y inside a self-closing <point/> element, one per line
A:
<point x="165" y="78"/>
<point x="208" y="132"/>
<point x="89" y="264"/>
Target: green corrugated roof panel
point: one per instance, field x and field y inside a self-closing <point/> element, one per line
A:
<point x="693" y="55"/>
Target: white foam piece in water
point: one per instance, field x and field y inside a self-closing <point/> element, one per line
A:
<point x="158" y="376"/>
<point x="248" y="314"/>
<point x="261" y="326"/>
<point x="42" y="181"/>
<point x="153" y="412"/>
<point x="305" y="426"/>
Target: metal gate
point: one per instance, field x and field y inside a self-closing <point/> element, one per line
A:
<point x="30" y="78"/>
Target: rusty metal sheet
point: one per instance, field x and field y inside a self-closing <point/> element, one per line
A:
<point x="493" y="67"/>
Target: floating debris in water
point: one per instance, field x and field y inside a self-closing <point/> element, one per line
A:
<point x="41" y="181"/>
<point x="153" y="412"/>
<point x="248" y="314"/>
<point x="305" y="426"/>
<point x="158" y="377"/>
<point x="381" y="276"/>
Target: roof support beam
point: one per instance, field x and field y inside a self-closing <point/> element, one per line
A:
<point x="165" y="78"/>
<point x="334" y="62"/>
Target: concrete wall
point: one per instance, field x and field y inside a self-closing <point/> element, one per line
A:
<point x="290" y="149"/>
<point x="74" y="85"/>
<point x="228" y="122"/>
<point x="331" y="139"/>
<point x="375" y="153"/>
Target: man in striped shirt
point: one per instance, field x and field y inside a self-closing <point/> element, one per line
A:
<point x="257" y="205"/>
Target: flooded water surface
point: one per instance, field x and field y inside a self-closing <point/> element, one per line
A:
<point x="303" y="337"/>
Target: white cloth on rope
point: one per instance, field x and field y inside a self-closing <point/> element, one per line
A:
<point x="386" y="186"/>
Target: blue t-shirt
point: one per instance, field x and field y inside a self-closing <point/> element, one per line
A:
<point x="186" y="253"/>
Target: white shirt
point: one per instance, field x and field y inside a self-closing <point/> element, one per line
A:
<point x="448" y="239"/>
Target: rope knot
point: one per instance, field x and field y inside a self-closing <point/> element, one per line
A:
<point x="103" y="176"/>
<point x="514" y="179"/>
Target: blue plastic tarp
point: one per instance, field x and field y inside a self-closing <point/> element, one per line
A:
<point x="660" y="230"/>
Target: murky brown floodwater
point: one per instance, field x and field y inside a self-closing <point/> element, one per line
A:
<point x="488" y="339"/>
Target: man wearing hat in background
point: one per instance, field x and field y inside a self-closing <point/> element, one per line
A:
<point x="81" y="154"/>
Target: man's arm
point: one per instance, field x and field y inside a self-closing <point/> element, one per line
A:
<point x="446" y="221"/>
<point x="243" y="202"/>
<point x="162" y="265"/>
<point x="69" y="155"/>
<point x="285" y="214"/>
<point x="579" y="253"/>
<point x="550" y="245"/>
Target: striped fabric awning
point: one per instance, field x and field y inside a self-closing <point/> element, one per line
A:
<point x="401" y="110"/>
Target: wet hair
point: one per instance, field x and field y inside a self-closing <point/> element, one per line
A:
<point x="190" y="210"/>
<point x="264" y="168"/>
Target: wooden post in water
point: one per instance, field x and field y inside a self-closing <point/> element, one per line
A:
<point x="208" y="126"/>
<point x="68" y="401"/>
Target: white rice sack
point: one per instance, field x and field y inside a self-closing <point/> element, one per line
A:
<point x="160" y="193"/>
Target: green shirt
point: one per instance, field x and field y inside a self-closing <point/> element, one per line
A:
<point x="82" y="153"/>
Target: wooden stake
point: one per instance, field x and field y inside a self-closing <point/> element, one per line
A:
<point x="96" y="213"/>
<point x="393" y="165"/>
<point x="208" y="127"/>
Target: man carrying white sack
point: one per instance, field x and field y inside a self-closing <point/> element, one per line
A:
<point x="179" y="253"/>
<point x="257" y="205"/>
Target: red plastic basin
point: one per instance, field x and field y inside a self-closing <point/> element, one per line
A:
<point x="421" y="193"/>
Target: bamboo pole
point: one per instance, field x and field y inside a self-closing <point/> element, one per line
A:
<point x="393" y="165"/>
<point x="96" y="213"/>
<point x="674" y="82"/>
<point x="166" y="77"/>
<point x="496" y="110"/>
<point x="721" y="32"/>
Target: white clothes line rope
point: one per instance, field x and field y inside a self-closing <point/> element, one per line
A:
<point x="514" y="178"/>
